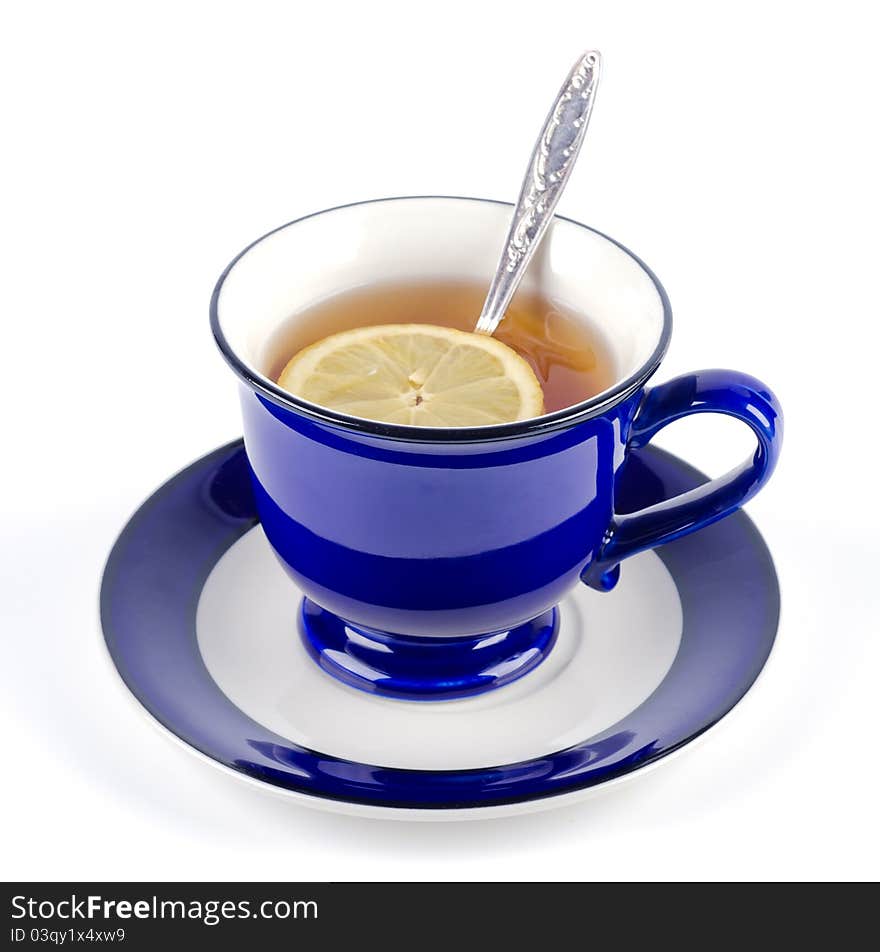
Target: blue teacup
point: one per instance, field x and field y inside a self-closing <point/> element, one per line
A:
<point x="432" y="559"/>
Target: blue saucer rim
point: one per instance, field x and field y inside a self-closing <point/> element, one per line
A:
<point x="276" y="762"/>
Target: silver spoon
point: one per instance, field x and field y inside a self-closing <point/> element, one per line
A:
<point x="548" y="173"/>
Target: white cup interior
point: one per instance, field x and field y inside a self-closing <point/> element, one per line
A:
<point x="407" y="239"/>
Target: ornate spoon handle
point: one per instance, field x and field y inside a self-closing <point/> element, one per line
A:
<point x="548" y="173"/>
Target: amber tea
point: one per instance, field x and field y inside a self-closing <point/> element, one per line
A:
<point x="568" y="355"/>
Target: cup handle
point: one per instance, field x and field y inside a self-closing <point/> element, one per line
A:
<point x="707" y="391"/>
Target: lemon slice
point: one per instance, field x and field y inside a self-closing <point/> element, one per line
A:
<point x="416" y="375"/>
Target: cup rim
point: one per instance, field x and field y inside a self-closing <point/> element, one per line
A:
<point x="548" y="422"/>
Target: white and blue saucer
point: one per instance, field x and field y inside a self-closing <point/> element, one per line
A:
<point x="200" y="621"/>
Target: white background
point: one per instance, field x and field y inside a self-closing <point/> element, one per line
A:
<point x="732" y="146"/>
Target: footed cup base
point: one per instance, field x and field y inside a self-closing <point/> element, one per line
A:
<point x="424" y="669"/>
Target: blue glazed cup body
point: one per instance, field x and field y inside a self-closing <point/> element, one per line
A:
<point x="431" y="560"/>
<point x="433" y="539"/>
